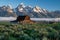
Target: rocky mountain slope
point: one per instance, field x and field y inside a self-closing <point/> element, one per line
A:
<point x="21" y="9"/>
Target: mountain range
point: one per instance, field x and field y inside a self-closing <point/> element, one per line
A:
<point x="33" y="12"/>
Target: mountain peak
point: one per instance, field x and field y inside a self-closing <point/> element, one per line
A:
<point x="21" y="5"/>
<point x="39" y="10"/>
<point x="37" y="7"/>
<point x="10" y="6"/>
<point x="30" y="6"/>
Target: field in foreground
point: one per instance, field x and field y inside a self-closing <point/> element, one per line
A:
<point x="11" y="31"/>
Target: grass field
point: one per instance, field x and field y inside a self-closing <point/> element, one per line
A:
<point x="37" y="31"/>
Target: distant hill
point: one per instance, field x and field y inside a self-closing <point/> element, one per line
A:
<point x="33" y="12"/>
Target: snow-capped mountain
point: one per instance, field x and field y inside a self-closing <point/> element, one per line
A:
<point x="38" y="9"/>
<point x="28" y="8"/>
<point x="31" y="11"/>
<point x="22" y="9"/>
<point x="6" y="11"/>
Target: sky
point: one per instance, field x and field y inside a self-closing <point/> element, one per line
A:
<point x="50" y="5"/>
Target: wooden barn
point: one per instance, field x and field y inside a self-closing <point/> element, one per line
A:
<point x="24" y="19"/>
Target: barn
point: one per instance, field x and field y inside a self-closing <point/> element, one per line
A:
<point x="24" y="19"/>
